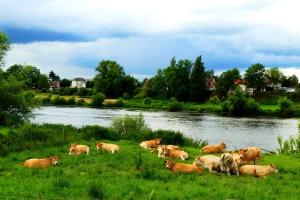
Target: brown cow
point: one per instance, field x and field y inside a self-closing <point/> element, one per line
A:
<point x="160" y="149"/>
<point x="258" y="170"/>
<point x="150" y="144"/>
<point x="250" y="154"/>
<point x="210" y="162"/>
<point x="108" y="147"/>
<point x="76" y="149"/>
<point x="41" y="162"/>
<point x="174" y="154"/>
<point x="214" y="148"/>
<point x="182" y="167"/>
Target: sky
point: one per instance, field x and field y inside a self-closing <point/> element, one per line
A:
<point x="70" y="37"/>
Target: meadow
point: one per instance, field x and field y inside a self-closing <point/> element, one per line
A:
<point x="135" y="173"/>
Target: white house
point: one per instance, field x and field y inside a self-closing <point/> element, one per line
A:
<point x="78" y="83"/>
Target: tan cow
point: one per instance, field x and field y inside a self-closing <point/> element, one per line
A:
<point x="41" y="162"/>
<point x="174" y="154"/>
<point x="250" y="154"/>
<point x="113" y="148"/>
<point x="76" y="149"/>
<point x="214" y="148"/>
<point x="160" y="149"/>
<point x="210" y="162"/>
<point x="228" y="163"/>
<point x="182" y="167"/>
<point x="150" y="144"/>
<point x="258" y="170"/>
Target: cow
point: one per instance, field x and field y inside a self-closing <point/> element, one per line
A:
<point x="41" y="162"/>
<point x="113" y="148"/>
<point x="173" y="154"/>
<point x="210" y="162"/>
<point x="214" y="148"/>
<point x="160" y="149"/>
<point x="250" y="154"/>
<point x="228" y="163"/>
<point x="258" y="170"/>
<point x="182" y="167"/>
<point x="150" y="144"/>
<point x="76" y="149"/>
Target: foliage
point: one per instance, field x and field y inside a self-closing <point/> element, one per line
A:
<point x="83" y="92"/>
<point x="214" y="100"/>
<point x="256" y="77"/>
<point x="238" y="104"/>
<point x="174" y="105"/>
<point x="286" y="108"/>
<point x="290" y="146"/>
<point x="4" y="45"/>
<point x="198" y="88"/>
<point x="98" y="99"/>
<point x="42" y="83"/>
<point x="147" y="100"/>
<point x="53" y="76"/>
<point x="274" y="76"/>
<point x="290" y="81"/>
<point x="65" y="83"/>
<point x="226" y="82"/>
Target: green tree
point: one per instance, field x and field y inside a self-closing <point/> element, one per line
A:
<point x="256" y="77"/>
<point x="290" y="81"/>
<point x="109" y="78"/>
<point x="53" y="76"/>
<point x="43" y="83"/>
<point x="65" y="83"/>
<point x="226" y="82"/>
<point x="31" y="75"/>
<point x="274" y="76"/>
<point x="198" y="88"/>
<point x="4" y="46"/>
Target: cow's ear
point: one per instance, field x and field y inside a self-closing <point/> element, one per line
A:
<point x="272" y="165"/>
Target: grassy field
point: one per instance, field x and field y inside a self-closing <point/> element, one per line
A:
<point x="134" y="173"/>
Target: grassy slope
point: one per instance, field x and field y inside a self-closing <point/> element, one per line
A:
<point x="118" y="177"/>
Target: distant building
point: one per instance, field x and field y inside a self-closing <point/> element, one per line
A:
<point x="242" y="85"/>
<point x="211" y="83"/>
<point x="54" y="85"/>
<point x="78" y="83"/>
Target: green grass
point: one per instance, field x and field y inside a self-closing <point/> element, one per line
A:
<point x="133" y="173"/>
<point x="4" y="130"/>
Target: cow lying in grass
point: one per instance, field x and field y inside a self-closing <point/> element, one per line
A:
<point x="76" y="149"/>
<point x="214" y="148"/>
<point x="150" y="144"/>
<point x="258" y="170"/>
<point x="113" y="148"/>
<point x="210" y="162"/>
<point x="182" y="167"/>
<point x="165" y="152"/>
<point x="41" y="162"/>
<point x="228" y="163"/>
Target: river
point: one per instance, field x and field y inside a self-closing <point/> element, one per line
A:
<point x="235" y="132"/>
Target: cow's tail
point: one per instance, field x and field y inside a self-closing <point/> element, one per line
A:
<point x="272" y="152"/>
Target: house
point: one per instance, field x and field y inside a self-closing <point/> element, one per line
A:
<point x="54" y="85"/>
<point x="78" y="83"/>
<point x="242" y="85"/>
<point x="211" y="83"/>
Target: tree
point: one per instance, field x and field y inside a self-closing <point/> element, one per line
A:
<point x="255" y="77"/>
<point x="226" y="82"/>
<point x="43" y="83"/>
<point x="53" y="76"/>
<point x="274" y="76"/>
<point x="90" y="84"/>
<point x="109" y="78"/>
<point x="4" y="46"/>
<point x="290" y="81"/>
<point x="65" y="83"/>
<point x="198" y="88"/>
<point x="31" y="75"/>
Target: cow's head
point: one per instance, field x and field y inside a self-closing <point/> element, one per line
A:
<point x="72" y="148"/>
<point x="169" y="164"/>
<point x="54" y="160"/>
<point x="273" y="168"/>
<point x="99" y="145"/>
<point x="197" y="161"/>
<point x="242" y="152"/>
<point x="157" y="141"/>
<point x="223" y="145"/>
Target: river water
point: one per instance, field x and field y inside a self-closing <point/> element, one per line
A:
<point x="235" y="132"/>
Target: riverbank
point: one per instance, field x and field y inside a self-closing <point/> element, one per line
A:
<point x="266" y="106"/>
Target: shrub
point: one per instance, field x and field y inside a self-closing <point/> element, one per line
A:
<point x="98" y="99"/>
<point x="71" y="101"/>
<point x="286" y="108"/>
<point x="225" y="106"/>
<point x="47" y="100"/>
<point x="147" y="101"/>
<point x="174" y="105"/>
<point x="97" y="132"/>
<point x="126" y="96"/>
<point x="80" y="102"/>
<point x="59" y="100"/>
<point x="83" y="92"/>
<point x="214" y="100"/>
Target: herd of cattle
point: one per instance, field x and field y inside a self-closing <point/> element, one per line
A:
<point x="238" y="162"/>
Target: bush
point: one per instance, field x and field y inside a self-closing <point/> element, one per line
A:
<point x="80" y="102"/>
<point x="238" y="104"/>
<point x="59" y="101"/>
<point x="286" y="108"/>
<point x="147" y="101"/>
<point x="83" y="92"/>
<point x="98" y="99"/>
<point x="97" y="133"/>
<point x="71" y="101"/>
<point x="130" y="127"/>
<point x="214" y="100"/>
<point x="126" y="96"/>
<point x="47" y="100"/>
<point x="174" y="105"/>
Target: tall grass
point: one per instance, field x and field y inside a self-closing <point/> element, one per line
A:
<point x="290" y="146"/>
